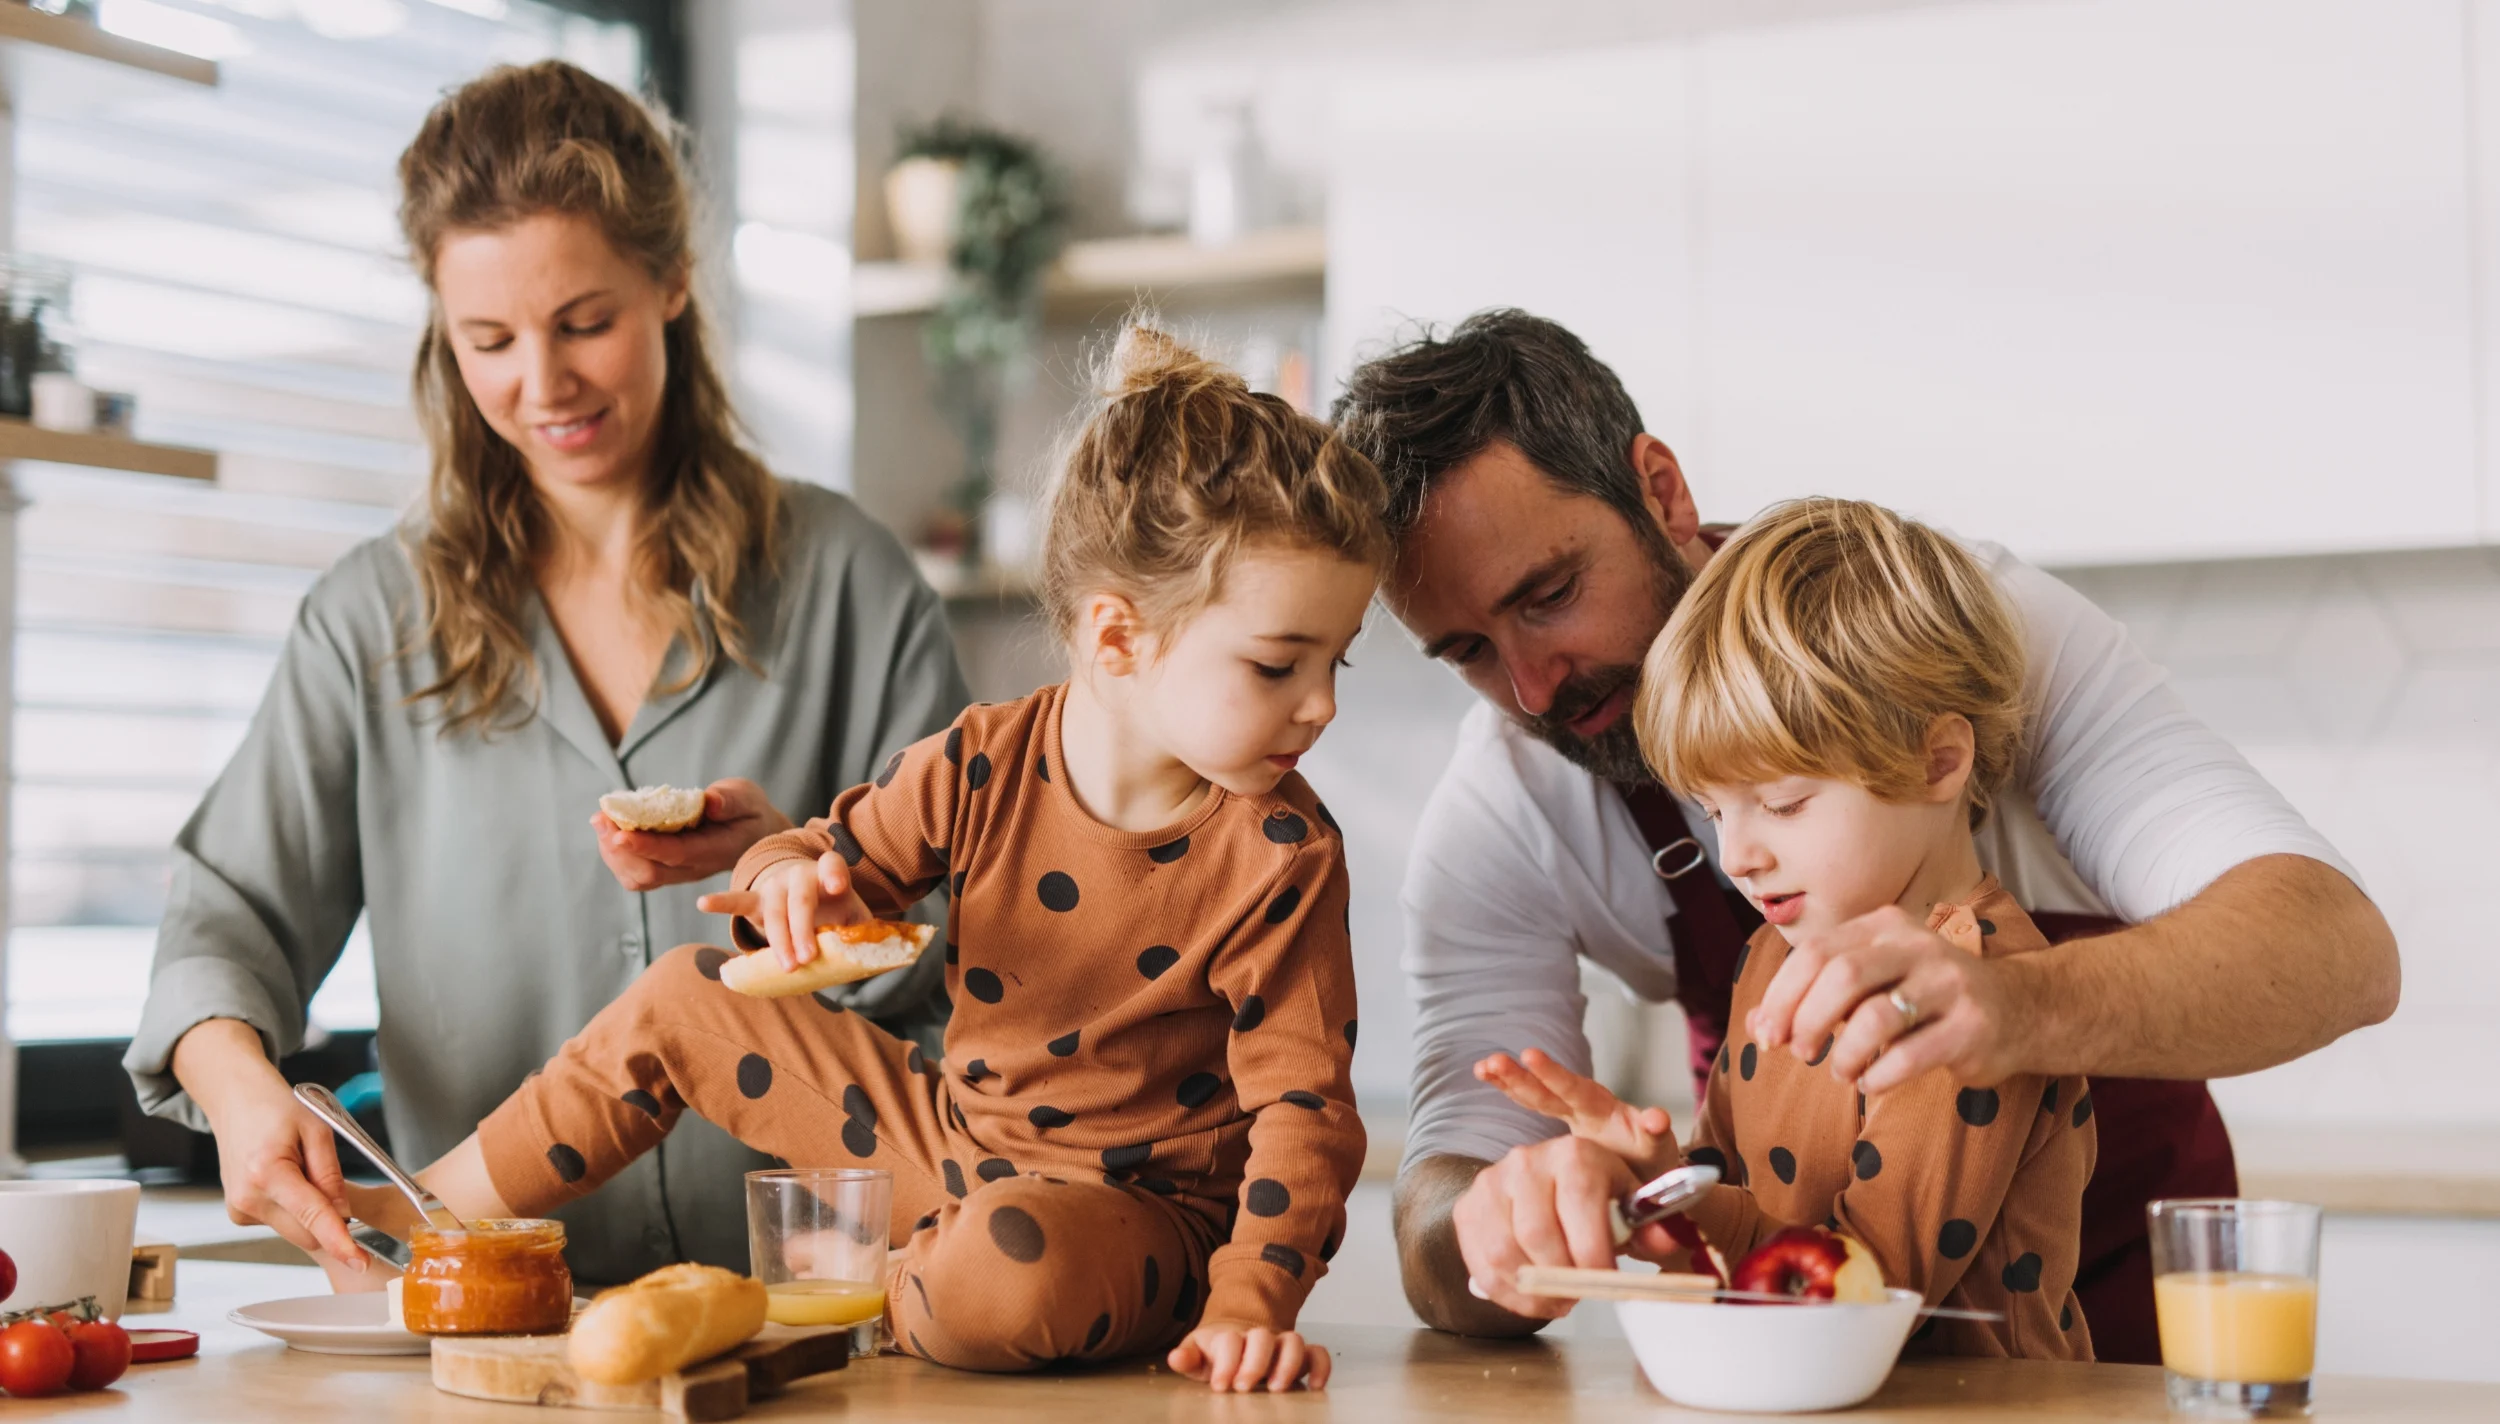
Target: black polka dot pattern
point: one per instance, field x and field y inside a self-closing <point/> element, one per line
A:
<point x="1154" y="959"/>
<point x="755" y="1075"/>
<point x="2066" y="1316"/>
<point x="1743" y="952"/>
<point x="1302" y="1099"/>
<point x="1047" y="1117"/>
<point x="1784" y="1166"/>
<point x="1722" y="1058"/>
<point x="1324" y="818"/>
<point x="914" y="1061"/>
<point x="984" y="984"/>
<point x="954" y="952"/>
<point x="1976" y="1106"/>
<point x="825" y="1000"/>
<point x="2048" y="1097"/>
<point x="568" y="1163"/>
<point x="1095" y="1332"/>
<point x="977" y="771"/>
<point x="707" y="962"/>
<point x="1251" y="1014"/>
<point x="1064" y="1046"/>
<point x="1987" y="927"/>
<point x="893" y="764"/>
<point x="1198" y="1089"/>
<point x="1058" y="892"/>
<point x="1160" y="1187"/>
<point x="1328" y="1248"/>
<point x="2022" y="1273"/>
<point x="1282" y="907"/>
<point x="1285" y="828"/>
<point x="1350" y="1026"/>
<point x="1185" y="1299"/>
<point x="1866" y="1159"/>
<point x="1016" y="1234"/>
<point x="2083" y="1110"/>
<point x="1169" y="851"/>
<point x="921" y="1225"/>
<point x="1126" y="1159"/>
<point x="953" y="1172"/>
<point x="1266" y="1197"/>
<point x="1955" y="1239"/>
<point x="955" y="745"/>
<point x="1745" y="1063"/>
<point x="1708" y="1157"/>
<point x="859" y="1131"/>
<point x="636" y="1097"/>
<point x="1041" y="767"/>
<point x="1824" y="1052"/>
<point x="955" y="887"/>
<point x="1278" y="1254"/>
<point x="977" y="1069"/>
<point x="992" y="1169"/>
<point x="845" y="844"/>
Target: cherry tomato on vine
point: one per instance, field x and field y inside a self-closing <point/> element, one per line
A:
<point x="35" y="1358"/>
<point x="103" y="1351"/>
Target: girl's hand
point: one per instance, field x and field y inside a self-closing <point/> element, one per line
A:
<point x="1643" y="1137"/>
<point x="792" y="900"/>
<point x="1230" y="1355"/>
<point x="736" y="814"/>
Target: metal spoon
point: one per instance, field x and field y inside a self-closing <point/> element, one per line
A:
<point x="326" y="1106"/>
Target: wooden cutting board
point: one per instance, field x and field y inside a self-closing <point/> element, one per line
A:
<point x="531" y="1369"/>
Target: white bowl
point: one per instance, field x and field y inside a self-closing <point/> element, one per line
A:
<point x="1768" y="1359"/>
<point x="69" y="1239"/>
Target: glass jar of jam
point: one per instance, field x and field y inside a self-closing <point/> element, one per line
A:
<point x="496" y="1278"/>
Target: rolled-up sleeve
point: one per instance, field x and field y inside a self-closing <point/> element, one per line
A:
<point x="267" y="879"/>
<point x="2148" y="803"/>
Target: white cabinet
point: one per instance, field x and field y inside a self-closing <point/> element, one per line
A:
<point x="2109" y="281"/>
<point x="1554" y="182"/>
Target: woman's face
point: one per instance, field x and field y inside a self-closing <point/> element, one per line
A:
<point x="561" y="342"/>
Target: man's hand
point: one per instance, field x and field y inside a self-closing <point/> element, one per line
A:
<point x="1643" y="1137"/>
<point x="1972" y="1016"/>
<point x="1544" y="1205"/>
<point x="1226" y="1355"/>
<point x="790" y="901"/>
<point x="736" y="814"/>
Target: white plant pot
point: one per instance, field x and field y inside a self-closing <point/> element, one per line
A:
<point x="920" y="202"/>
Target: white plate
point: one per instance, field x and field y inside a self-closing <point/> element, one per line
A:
<point x="356" y="1324"/>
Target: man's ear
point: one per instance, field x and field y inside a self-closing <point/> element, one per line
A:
<point x="1670" y="500"/>
<point x="1115" y="637"/>
<point x="1950" y="749"/>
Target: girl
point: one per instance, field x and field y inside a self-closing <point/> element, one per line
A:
<point x="1841" y="693"/>
<point x="1142" y="1132"/>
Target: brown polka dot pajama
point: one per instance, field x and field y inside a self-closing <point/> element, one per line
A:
<point x="1971" y="1196"/>
<point x="1143" y="1115"/>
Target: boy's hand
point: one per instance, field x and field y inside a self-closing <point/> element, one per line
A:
<point x="792" y="900"/>
<point x="1230" y="1355"/>
<point x="1643" y="1137"/>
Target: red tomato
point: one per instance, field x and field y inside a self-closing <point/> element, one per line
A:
<point x="35" y="1358"/>
<point x="103" y="1351"/>
<point x="8" y="1276"/>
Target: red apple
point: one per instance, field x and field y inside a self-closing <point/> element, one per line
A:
<point x="1810" y="1263"/>
<point x="8" y="1276"/>
<point x="1706" y="1258"/>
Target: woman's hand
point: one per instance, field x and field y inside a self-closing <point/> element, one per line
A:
<point x="792" y="900"/>
<point x="278" y="1162"/>
<point x="1230" y="1355"/>
<point x="736" y="814"/>
<point x="1643" y="1137"/>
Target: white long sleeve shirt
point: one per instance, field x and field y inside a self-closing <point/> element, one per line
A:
<point x="1523" y="864"/>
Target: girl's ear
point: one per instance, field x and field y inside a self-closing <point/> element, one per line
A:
<point x="1950" y="750"/>
<point x="1110" y="635"/>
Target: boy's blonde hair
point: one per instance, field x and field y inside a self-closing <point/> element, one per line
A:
<point x="1824" y="640"/>
<point x="1181" y="468"/>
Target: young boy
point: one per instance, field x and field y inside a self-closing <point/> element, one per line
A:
<point x="1840" y="692"/>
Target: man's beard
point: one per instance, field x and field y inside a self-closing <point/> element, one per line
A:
<point x="1613" y="754"/>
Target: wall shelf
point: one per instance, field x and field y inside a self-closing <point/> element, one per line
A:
<point x="1279" y="263"/>
<point x="22" y="27"/>
<point x="20" y="440"/>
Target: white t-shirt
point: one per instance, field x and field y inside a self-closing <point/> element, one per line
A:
<point x="2124" y="804"/>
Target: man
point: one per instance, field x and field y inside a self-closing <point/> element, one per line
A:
<point x="1544" y="538"/>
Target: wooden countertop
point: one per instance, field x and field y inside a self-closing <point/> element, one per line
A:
<point x="1383" y="1375"/>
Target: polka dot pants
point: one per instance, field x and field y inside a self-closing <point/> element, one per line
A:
<point x="1000" y="1265"/>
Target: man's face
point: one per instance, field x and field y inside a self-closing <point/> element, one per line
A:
<point x="1544" y="601"/>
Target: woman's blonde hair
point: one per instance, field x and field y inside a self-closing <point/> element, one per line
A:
<point x="1179" y="469"/>
<point x="515" y="143"/>
<point x="1825" y="640"/>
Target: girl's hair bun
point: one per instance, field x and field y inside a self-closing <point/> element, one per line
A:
<point x="1147" y="359"/>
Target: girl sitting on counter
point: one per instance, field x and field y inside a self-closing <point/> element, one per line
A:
<point x="1142" y="1133"/>
<point x="1841" y="692"/>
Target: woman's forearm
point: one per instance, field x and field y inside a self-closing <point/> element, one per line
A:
<point x="216" y="1057"/>
<point x="2279" y="957"/>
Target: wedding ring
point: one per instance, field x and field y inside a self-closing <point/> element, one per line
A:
<point x="1902" y="1005"/>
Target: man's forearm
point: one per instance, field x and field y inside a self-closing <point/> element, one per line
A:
<point x="1428" y="1256"/>
<point x="2278" y="958"/>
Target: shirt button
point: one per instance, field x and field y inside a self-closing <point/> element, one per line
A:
<point x="654" y="1239"/>
<point x="631" y="944"/>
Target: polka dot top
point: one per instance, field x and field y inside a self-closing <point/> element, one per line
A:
<point x="1173" y="1009"/>
<point x="1971" y="1196"/>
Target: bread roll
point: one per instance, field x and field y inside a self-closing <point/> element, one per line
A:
<point x="844" y="954"/>
<point x="674" y="1317"/>
<point x="655" y="808"/>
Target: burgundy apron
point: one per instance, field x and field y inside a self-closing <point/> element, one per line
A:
<point x="2157" y="1138"/>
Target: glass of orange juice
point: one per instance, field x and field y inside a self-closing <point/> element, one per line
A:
<point x="2235" y="1290"/>
<point x="816" y="1238"/>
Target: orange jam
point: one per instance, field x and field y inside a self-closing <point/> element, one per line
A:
<point x="496" y="1278"/>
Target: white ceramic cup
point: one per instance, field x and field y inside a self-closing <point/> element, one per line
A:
<point x="69" y="1239"/>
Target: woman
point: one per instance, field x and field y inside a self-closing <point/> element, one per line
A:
<point x="604" y="590"/>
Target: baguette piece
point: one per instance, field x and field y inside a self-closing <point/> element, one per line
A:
<point x="671" y="1318"/>
<point x="661" y="809"/>
<point x="844" y="954"/>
